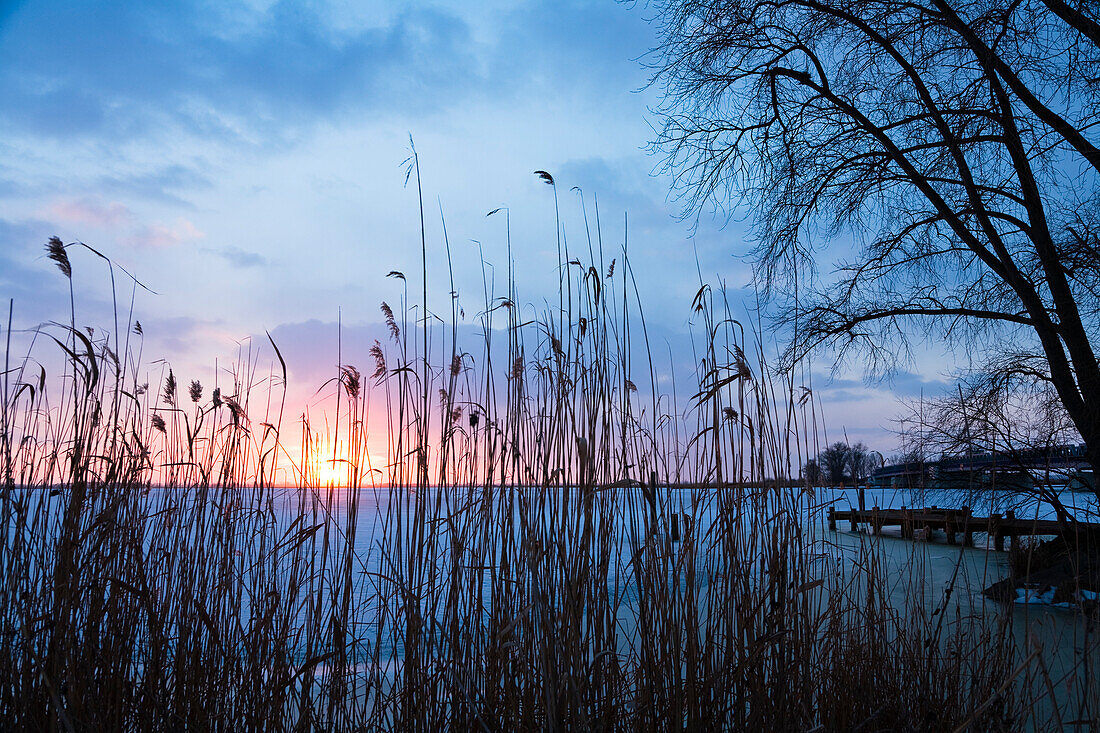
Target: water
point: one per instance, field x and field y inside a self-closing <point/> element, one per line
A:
<point x="384" y="515"/>
<point x="935" y="570"/>
<point x="463" y="535"/>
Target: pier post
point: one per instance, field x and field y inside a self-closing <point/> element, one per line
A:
<point x="674" y="528"/>
<point x="968" y="533"/>
<point x="998" y="536"/>
<point x="832" y="518"/>
<point x="1014" y="538"/>
<point x="906" y="522"/>
<point x="876" y="525"/>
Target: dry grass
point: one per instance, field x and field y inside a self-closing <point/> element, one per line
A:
<point x="512" y="570"/>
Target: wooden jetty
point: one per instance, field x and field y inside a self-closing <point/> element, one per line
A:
<point x="955" y="522"/>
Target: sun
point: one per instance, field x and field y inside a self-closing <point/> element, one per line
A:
<point x="340" y="473"/>
<point x="329" y="474"/>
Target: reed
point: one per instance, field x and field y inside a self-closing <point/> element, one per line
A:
<point x="168" y="561"/>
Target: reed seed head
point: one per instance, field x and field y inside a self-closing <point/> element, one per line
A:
<point x="350" y="377"/>
<point x="235" y="409"/>
<point x="55" y="250"/>
<point x="741" y="364"/>
<point x="170" y="388"/>
<point x="379" y="360"/>
<point x="391" y="322"/>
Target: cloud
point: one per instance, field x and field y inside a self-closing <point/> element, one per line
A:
<point x="161" y="183"/>
<point x="84" y="213"/>
<point x="901" y="384"/>
<point x="238" y="257"/>
<point x="153" y="236"/>
<point x="219" y="71"/>
<point x="20" y="244"/>
<point x="261" y="75"/>
<point x="88" y="212"/>
<point x="583" y="45"/>
<point x="185" y="339"/>
<point x="40" y="293"/>
<point x="908" y="384"/>
<point x="311" y="348"/>
<point x="8" y="187"/>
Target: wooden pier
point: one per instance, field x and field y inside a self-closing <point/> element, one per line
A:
<point x="955" y="522"/>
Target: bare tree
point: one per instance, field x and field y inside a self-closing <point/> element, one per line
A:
<point x="842" y="463"/>
<point x="861" y="461"/>
<point x="982" y="418"/>
<point x="947" y="148"/>
<point x="812" y="473"/>
<point x="836" y="461"/>
<point x="1025" y="429"/>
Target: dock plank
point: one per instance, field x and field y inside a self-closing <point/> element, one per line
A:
<point x="962" y="521"/>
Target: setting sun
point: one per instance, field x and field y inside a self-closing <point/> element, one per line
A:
<point x="329" y="474"/>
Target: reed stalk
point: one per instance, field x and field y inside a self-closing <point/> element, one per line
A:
<point x="512" y="566"/>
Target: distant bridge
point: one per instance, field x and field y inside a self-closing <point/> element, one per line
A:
<point x="1009" y="470"/>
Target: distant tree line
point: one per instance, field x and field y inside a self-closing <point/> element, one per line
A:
<point x="841" y="463"/>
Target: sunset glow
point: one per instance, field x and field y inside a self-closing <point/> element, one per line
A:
<point x="521" y="365"/>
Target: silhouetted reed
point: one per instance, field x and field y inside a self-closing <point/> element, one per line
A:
<point x="512" y="565"/>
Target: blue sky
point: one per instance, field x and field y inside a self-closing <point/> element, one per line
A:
<point x="244" y="160"/>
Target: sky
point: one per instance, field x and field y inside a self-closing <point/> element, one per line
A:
<point x="245" y="161"/>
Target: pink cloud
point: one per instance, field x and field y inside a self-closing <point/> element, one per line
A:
<point x="162" y="235"/>
<point x="89" y="212"/>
